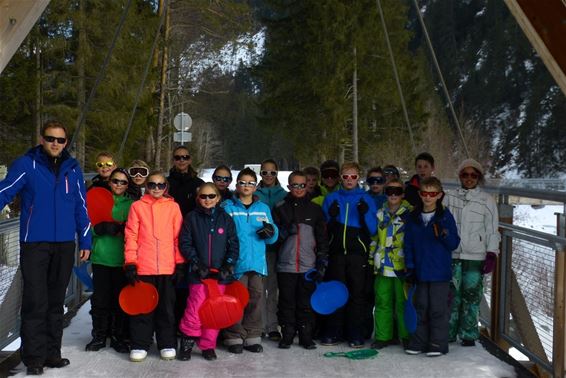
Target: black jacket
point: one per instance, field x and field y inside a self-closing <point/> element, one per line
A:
<point x="209" y="237"/>
<point x="183" y="188"/>
<point x="302" y="234"/>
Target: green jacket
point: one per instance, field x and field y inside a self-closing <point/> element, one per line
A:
<point x="106" y="249"/>
<point x="388" y="242"/>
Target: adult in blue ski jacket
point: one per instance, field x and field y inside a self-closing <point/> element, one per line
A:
<point x="52" y="192"/>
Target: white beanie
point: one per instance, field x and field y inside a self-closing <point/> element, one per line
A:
<point x="470" y="163"/>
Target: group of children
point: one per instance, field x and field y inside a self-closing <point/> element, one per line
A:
<point x="374" y="241"/>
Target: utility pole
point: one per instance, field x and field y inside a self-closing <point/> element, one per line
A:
<point x="355" y="110"/>
<point x="164" y="60"/>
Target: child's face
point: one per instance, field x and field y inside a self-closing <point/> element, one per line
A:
<point x="376" y="182"/>
<point x="156" y="186"/>
<point x="138" y="174"/>
<point x="298" y="186"/>
<point x="469" y="178"/>
<point x="118" y="183"/>
<point x="246" y="186"/>
<point x="268" y="174"/>
<point x="312" y="180"/>
<point x="207" y="198"/>
<point x="104" y="167"/>
<point x="350" y="178"/>
<point x="222" y="179"/>
<point x="429" y="195"/>
<point x="424" y="169"/>
<point x="394" y="192"/>
<point x="330" y="178"/>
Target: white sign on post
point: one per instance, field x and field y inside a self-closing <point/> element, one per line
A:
<point x="183" y="123"/>
<point x="182" y="137"/>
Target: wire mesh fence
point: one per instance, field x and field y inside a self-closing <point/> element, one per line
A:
<point x="10" y="282"/>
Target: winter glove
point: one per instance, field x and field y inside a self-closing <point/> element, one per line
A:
<point x="321" y="265"/>
<point x="334" y="210"/>
<point x="200" y="269"/>
<point x="407" y="275"/>
<point x="266" y="232"/>
<point x="180" y="274"/>
<point x="489" y="263"/>
<point x="225" y="271"/>
<point x="131" y="273"/>
<point x="362" y="207"/>
<point x="439" y="230"/>
<point x="109" y="228"/>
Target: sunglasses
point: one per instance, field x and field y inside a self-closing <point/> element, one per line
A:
<point x="222" y="178"/>
<point x="101" y="164"/>
<point x="181" y="157"/>
<point x="375" y="180"/>
<point x="390" y="172"/>
<point x="428" y="194"/>
<point x="52" y="139"/>
<point x="138" y="171"/>
<point x="297" y="186"/>
<point x="327" y="175"/>
<point x="205" y="196"/>
<point x="247" y="183"/>
<point x="472" y="175"/>
<point x="119" y="182"/>
<point x="156" y="185"/>
<point x="393" y="191"/>
<point x="350" y="177"/>
<point x="269" y="173"/>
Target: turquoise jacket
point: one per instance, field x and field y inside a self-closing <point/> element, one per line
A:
<point x="271" y="196"/>
<point x="248" y="222"/>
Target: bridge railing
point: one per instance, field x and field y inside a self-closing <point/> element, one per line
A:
<point x="524" y="304"/>
<point x="11" y="283"/>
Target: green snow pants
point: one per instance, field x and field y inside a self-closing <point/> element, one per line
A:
<point x="389" y="303"/>
<point x="466" y="292"/>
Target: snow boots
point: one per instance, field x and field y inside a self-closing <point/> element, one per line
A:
<point x="187" y="345"/>
<point x="305" y="336"/>
<point x="288" y="332"/>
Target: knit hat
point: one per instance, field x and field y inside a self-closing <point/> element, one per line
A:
<point x="330" y="165"/>
<point x="470" y="163"/>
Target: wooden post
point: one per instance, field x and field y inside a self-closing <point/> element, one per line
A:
<point x="559" y="339"/>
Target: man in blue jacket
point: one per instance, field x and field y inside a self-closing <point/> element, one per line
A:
<point x="53" y="212"/>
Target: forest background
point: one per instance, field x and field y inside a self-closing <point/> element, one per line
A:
<point x="274" y="78"/>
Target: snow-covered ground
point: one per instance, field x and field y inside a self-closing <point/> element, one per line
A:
<point x="537" y="218"/>
<point x="274" y="362"/>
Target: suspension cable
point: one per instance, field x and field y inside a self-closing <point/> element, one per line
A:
<point x="437" y="66"/>
<point x="100" y="75"/>
<point x="144" y="77"/>
<point x="396" y="74"/>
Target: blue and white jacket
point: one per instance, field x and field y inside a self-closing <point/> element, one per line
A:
<point x="248" y="221"/>
<point x="53" y="209"/>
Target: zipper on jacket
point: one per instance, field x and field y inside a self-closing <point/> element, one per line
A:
<point x="345" y="227"/>
<point x="209" y="249"/>
<point x="28" y="222"/>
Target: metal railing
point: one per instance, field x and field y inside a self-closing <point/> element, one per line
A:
<point x="11" y="283"/>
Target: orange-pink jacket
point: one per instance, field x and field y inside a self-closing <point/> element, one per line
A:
<point x="152" y="235"/>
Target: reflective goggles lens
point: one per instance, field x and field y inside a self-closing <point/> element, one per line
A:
<point x="393" y="191"/>
<point x="428" y="194"/>
<point x="247" y="183"/>
<point x="106" y="164"/>
<point x="297" y="186"/>
<point x="138" y="171"/>
<point x="376" y="180"/>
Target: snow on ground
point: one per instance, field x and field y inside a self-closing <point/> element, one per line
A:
<point x="540" y="219"/>
<point x="295" y="362"/>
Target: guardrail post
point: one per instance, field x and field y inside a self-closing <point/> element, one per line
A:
<point x="500" y="279"/>
<point x="559" y="330"/>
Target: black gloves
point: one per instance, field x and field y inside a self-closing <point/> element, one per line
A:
<point x="109" y="228"/>
<point x="318" y="274"/>
<point x="407" y="275"/>
<point x="200" y="269"/>
<point x="266" y="232"/>
<point x="225" y="271"/>
<point x="362" y="207"/>
<point x="334" y="209"/>
<point x="180" y="274"/>
<point x="131" y="273"/>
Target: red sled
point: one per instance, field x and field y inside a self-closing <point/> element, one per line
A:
<point x="219" y="311"/>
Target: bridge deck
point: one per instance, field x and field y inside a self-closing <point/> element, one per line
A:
<point x="296" y="362"/>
